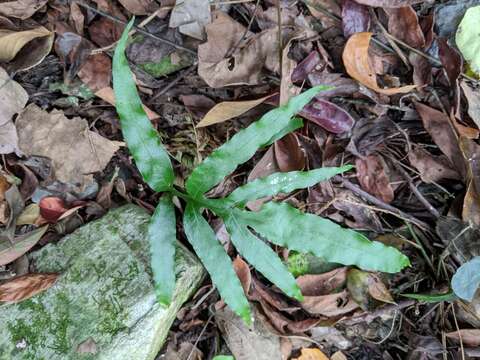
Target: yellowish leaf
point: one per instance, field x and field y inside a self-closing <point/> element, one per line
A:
<point x="11" y="42"/>
<point x="356" y="61"/>
<point x="29" y="215"/>
<point x="312" y="354"/>
<point x="228" y="110"/>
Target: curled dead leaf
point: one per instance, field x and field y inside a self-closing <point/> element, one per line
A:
<point x="51" y="208"/>
<point x="330" y="305"/>
<point x="26" y="286"/>
<point x="11" y="42"/>
<point x="365" y="286"/>
<point x="356" y="60"/>
<point x="243" y="272"/>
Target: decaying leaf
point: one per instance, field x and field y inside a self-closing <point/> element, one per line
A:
<point x="51" y="208"/>
<point x="473" y="100"/>
<point x="191" y="17"/>
<point x="11" y="42"/>
<point x="469" y="337"/>
<point x="76" y="151"/>
<point x="329" y="116"/>
<point x="243" y="272"/>
<point x="244" y="66"/>
<point x="322" y="284"/>
<point x="440" y="129"/>
<point x="365" y="286"/>
<point x="13" y="99"/>
<point x="139" y="7"/>
<point x="372" y="174"/>
<point x="356" y="60"/>
<point x="355" y="18"/>
<point x="403" y="24"/>
<point x="311" y="354"/>
<point x="330" y="305"/>
<point x="228" y="110"/>
<point x="389" y="3"/>
<point x="288" y="154"/>
<point x="21" y="245"/>
<point x="26" y="286"/>
<point x="96" y="72"/>
<point x="21" y="9"/>
<point x="430" y="167"/>
<point x="29" y="215"/>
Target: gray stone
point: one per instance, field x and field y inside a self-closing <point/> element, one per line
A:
<point x="103" y="305"/>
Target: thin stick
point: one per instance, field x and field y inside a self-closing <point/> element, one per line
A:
<point x="280" y="45"/>
<point x="146" y="33"/>
<point x="381" y="204"/>
<point x="417" y="193"/>
<point x="174" y="82"/>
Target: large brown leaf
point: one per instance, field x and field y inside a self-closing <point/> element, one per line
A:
<point x="26" y="286"/>
<point x="403" y="24"/>
<point x="21" y="245"/>
<point x="356" y="60"/>
<point x="372" y="174"/>
<point x="469" y="337"/>
<point x="439" y="127"/>
<point x="220" y="68"/>
<point x="388" y="3"/>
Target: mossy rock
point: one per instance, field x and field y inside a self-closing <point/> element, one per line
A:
<point x="103" y="305"/>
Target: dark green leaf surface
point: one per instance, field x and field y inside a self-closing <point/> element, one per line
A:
<point x="294" y="124"/>
<point x="466" y="280"/>
<point x="283" y="183"/>
<point x="142" y="139"/>
<point x="215" y="260"/>
<point x="244" y="144"/>
<point x="286" y="226"/>
<point x="162" y="236"/>
<point x="262" y="257"/>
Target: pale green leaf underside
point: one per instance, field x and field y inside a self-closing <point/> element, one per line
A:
<point x="286" y="226"/>
<point x="283" y="183"/>
<point x="261" y="257"/>
<point x="142" y="139"/>
<point x="466" y="281"/>
<point x="243" y="145"/>
<point x="215" y="260"/>
<point x="162" y="237"/>
<point x="468" y="37"/>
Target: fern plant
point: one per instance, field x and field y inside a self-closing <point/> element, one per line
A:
<point x="279" y="223"/>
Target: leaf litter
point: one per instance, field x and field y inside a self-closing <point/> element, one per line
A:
<point x="403" y="94"/>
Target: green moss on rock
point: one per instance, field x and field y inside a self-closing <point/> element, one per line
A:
<point x="104" y="293"/>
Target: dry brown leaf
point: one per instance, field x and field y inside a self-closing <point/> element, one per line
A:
<point x="76" y="152"/>
<point x="244" y="66"/>
<point x="364" y="286"/>
<point x="403" y="24"/>
<point x="21" y="244"/>
<point x="469" y="337"/>
<point x="311" y="354"/>
<point x="243" y="273"/>
<point x="21" y="9"/>
<point x="329" y="305"/>
<point x="96" y="73"/>
<point x="26" y="286"/>
<point x="372" y="174"/>
<point x="13" y="99"/>
<point x="139" y="7"/>
<point x="431" y="168"/>
<point x="288" y="153"/>
<point x="107" y="95"/>
<point x="440" y="129"/>
<point x="11" y="42"/>
<point x="473" y="100"/>
<point x="228" y="110"/>
<point x="356" y="60"/>
<point x="322" y="284"/>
